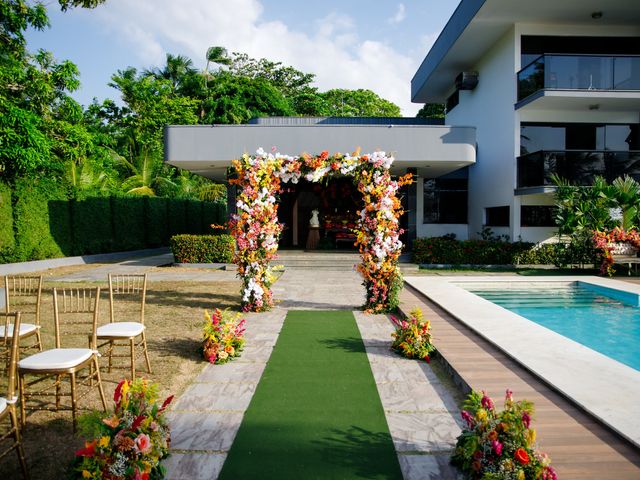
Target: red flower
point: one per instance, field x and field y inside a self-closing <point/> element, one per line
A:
<point x="89" y="449"/>
<point x="166" y="403"/>
<point x="427" y="359"/>
<point x="522" y="456"/>
<point x="117" y="395"/>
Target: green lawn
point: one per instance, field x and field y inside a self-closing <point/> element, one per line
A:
<point x="316" y="412"/>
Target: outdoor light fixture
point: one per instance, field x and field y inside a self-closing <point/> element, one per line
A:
<point x="596" y="15"/>
<point x="594" y="106"/>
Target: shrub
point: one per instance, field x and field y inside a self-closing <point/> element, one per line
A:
<point x="194" y="217"/>
<point x="222" y="336"/>
<point x="128" y="223"/>
<point x="412" y="337"/>
<point x="129" y="443"/>
<point x="499" y="445"/>
<point x="40" y="231"/>
<point x="203" y="248"/>
<point x="156" y="221"/>
<point x="447" y="250"/>
<point x="7" y="239"/>
<point x="92" y="226"/>
<point x="177" y="216"/>
<point x="213" y="213"/>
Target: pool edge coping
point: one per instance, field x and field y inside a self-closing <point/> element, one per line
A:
<point x="610" y="397"/>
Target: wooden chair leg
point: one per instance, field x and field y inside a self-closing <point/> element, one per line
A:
<point x="58" y="391"/>
<point x="23" y="401"/>
<point x="74" y="401"/>
<point x="19" y="448"/>
<point x="99" y="381"/>
<point x="110" y="352"/>
<point x="146" y="353"/>
<point x="39" y="340"/>
<point x="132" y="347"/>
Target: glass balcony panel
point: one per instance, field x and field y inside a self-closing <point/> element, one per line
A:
<point x="580" y="167"/>
<point x="579" y="72"/>
<point x="626" y="73"/>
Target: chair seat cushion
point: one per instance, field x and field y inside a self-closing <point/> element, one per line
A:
<point x="25" y="329"/>
<point x="120" y="329"/>
<point x="56" y="358"/>
<point x="3" y="404"/>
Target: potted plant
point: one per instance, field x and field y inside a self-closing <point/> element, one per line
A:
<point x="223" y="336"/>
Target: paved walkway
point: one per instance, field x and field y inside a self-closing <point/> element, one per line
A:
<point x="420" y="411"/>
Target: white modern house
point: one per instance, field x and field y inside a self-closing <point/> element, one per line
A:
<point x="531" y="89"/>
<point x="551" y="86"/>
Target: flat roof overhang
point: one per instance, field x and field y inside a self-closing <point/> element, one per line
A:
<point x="207" y="150"/>
<point x="581" y="100"/>
<point x="476" y="25"/>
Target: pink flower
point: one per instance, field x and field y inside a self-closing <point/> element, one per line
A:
<point x="143" y="443"/>
<point x="486" y="401"/>
<point x="497" y="447"/>
<point x="466" y="416"/>
<point x="526" y="419"/>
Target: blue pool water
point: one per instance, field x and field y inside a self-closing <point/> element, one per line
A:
<point x="603" y="319"/>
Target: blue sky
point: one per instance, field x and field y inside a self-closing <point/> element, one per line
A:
<point x="347" y="44"/>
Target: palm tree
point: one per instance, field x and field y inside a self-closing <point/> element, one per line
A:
<point x="217" y="55"/>
<point x="175" y="70"/>
<point x="146" y="177"/>
<point x="626" y="193"/>
<point x="83" y="177"/>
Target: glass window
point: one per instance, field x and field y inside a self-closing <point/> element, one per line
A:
<point x="536" y="216"/>
<point x="578" y="136"/>
<point x="497" y="216"/>
<point x="445" y="200"/>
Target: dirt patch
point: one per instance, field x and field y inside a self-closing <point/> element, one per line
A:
<point x="174" y="316"/>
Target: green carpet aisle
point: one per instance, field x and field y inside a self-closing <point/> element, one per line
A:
<point x="316" y="413"/>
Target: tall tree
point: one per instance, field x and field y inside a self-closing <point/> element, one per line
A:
<point x="357" y="103"/>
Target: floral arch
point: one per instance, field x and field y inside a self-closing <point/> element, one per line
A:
<point x="256" y="228"/>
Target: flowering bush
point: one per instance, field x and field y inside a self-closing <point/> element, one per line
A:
<point x="412" y="337"/>
<point x="605" y="245"/>
<point x="500" y="445"/>
<point x="222" y="336"/>
<point x="131" y="442"/>
<point x="257" y="230"/>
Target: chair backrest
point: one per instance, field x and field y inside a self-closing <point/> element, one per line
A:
<point x="12" y="345"/>
<point x="73" y="307"/>
<point x="129" y="285"/>
<point x="23" y="293"/>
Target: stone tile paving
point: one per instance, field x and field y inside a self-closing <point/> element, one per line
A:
<point x="205" y="419"/>
<point x="421" y="413"/>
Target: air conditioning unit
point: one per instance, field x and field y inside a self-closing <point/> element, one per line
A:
<point x="467" y="80"/>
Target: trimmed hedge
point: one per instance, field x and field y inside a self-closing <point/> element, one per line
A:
<point x="93" y="226"/>
<point x="38" y="221"/>
<point x="7" y="239"/>
<point x="203" y="248"/>
<point x="35" y="224"/>
<point x="156" y="221"/>
<point x="128" y="223"/>
<point x="446" y="250"/>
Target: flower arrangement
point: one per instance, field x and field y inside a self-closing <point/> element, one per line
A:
<point x="222" y="336"/>
<point x="130" y="443"/>
<point x="257" y="230"/>
<point x="500" y="445"/>
<point x="412" y="337"/>
<point x="604" y="243"/>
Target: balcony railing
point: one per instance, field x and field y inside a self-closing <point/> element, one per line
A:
<point x="578" y="166"/>
<point x="579" y="72"/>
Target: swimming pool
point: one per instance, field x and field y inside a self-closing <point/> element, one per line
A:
<point x="603" y="319"/>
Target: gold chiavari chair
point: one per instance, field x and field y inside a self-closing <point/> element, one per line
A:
<point x="72" y="307"/>
<point x="126" y="334"/>
<point x="11" y="430"/>
<point x="24" y="293"/>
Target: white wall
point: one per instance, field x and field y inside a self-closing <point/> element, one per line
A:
<point x="490" y="108"/>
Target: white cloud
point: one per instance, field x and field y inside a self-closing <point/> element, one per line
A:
<point x="399" y="16"/>
<point x="333" y="50"/>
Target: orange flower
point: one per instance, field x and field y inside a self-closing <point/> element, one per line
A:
<point x="522" y="456"/>
<point x="113" y="422"/>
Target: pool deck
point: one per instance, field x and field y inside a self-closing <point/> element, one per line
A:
<point x="579" y="445"/>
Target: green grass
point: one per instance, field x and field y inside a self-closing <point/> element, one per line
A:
<point x="316" y="413"/>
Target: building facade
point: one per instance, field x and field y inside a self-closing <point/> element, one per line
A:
<point x="532" y="89"/>
<point x="551" y="88"/>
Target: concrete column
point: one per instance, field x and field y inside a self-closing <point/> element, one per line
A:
<point x="412" y="209"/>
<point x="231" y="199"/>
